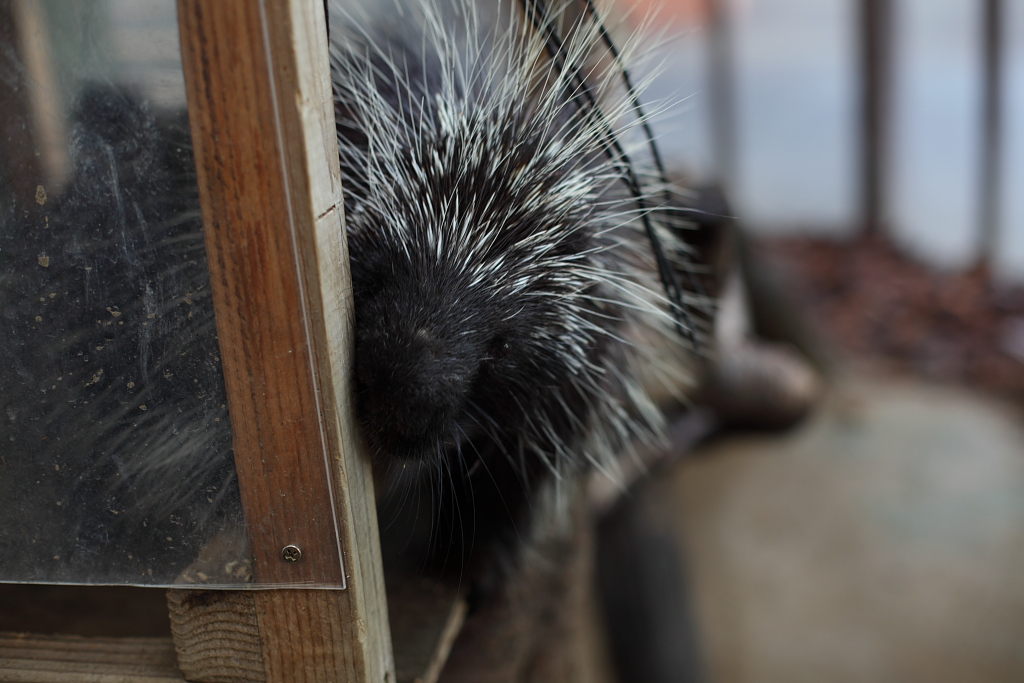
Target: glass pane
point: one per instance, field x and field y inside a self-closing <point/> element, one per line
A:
<point x="115" y="445"/>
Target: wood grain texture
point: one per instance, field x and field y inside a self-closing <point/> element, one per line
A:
<point x="73" y="659"/>
<point x="252" y="226"/>
<point x="96" y="611"/>
<point x="219" y="634"/>
<point x="258" y="86"/>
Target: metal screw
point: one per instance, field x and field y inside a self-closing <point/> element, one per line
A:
<point x="291" y="553"/>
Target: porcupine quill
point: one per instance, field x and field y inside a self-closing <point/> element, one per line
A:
<point x="585" y="100"/>
<point x="504" y="293"/>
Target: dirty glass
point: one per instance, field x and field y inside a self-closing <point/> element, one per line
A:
<point x="115" y="445"/>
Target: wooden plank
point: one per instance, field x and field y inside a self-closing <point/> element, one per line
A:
<point x="218" y="633"/>
<point x="258" y="87"/>
<point x="33" y="132"/>
<point x="110" y="611"/>
<point x="426" y="617"/>
<point x="250" y="221"/>
<point x="73" y="659"/>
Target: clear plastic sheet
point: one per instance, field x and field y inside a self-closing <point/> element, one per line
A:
<point x="115" y="444"/>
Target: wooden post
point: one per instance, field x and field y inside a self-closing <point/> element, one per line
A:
<point x="989" y="194"/>
<point x="875" y="34"/>
<point x="260" y="107"/>
<point x="722" y="93"/>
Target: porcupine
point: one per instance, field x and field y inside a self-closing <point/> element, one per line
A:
<point x="504" y="287"/>
<point x="507" y="297"/>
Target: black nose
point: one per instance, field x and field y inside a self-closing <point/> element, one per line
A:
<point x="411" y="386"/>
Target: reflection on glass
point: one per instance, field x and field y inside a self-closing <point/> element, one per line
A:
<point x="115" y="447"/>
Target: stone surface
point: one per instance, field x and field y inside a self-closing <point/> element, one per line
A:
<point x="882" y="541"/>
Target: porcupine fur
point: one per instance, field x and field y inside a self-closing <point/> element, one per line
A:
<point x="505" y="299"/>
<point x="506" y="296"/>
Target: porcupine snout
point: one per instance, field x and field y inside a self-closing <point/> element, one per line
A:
<point x="414" y="370"/>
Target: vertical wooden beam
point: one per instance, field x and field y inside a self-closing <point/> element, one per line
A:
<point x="989" y="194"/>
<point x="259" y="222"/>
<point x="721" y="85"/>
<point x="875" y="40"/>
<point x="260" y="107"/>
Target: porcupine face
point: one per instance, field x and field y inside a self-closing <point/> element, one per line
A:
<point x="460" y="321"/>
<point x="474" y="212"/>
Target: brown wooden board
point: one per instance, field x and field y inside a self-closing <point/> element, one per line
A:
<point x="74" y="659"/>
<point x="259" y="96"/>
<point x="252" y="231"/>
<point x="219" y="633"/>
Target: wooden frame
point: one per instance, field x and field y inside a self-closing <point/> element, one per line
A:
<point x="261" y="114"/>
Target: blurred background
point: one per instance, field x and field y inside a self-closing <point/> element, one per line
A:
<point x="894" y="128"/>
<point x="873" y="155"/>
<point x="828" y="116"/>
